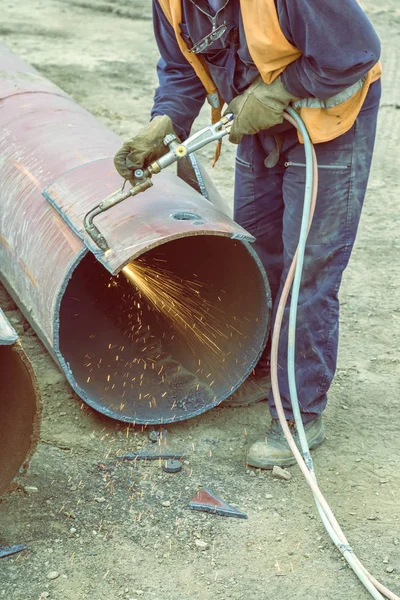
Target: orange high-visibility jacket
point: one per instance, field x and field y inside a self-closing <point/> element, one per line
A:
<point x="272" y="53"/>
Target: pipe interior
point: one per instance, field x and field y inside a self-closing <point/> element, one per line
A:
<point x="153" y="362"/>
<point x="17" y="414"/>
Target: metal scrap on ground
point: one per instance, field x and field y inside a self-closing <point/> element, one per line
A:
<point x="162" y="448"/>
<point x="205" y="500"/>
<point x="10" y="550"/>
<point x="172" y="466"/>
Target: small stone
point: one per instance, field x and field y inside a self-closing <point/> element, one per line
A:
<point x="69" y="515"/>
<point x="268" y="496"/>
<point x="30" y="489"/>
<point x="44" y="594"/>
<point x="389" y="569"/>
<point x="73" y="488"/>
<point x="100" y="500"/>
<point x="166" y="503"/>
<point x="396" y="541"/>
<point x="386" y="561"/>
<point x="53" y="575"/>
<point x="252" y="474"/>
<point x="72" y="530"/>
<point x="383" y="481"/>
<point x="201" y="544"/>
<point x="154" y="436"/>
<point x="279" y="473"/>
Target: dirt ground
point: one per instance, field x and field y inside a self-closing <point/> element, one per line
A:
<point x="122" y="532"/>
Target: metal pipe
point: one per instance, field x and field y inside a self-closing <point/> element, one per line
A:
<point x="56" y="164"/>
<point x="20" y="407"/>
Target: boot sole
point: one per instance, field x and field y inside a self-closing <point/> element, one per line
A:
<point x="283" y="462"/>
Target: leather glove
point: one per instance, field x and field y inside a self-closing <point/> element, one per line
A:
<point x="144" y="148"/>
<point x="260" y="107"/>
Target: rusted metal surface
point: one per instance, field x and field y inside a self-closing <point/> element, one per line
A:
<point x="20" y="407"/>
<point x="55" y="164"/>
<point x="155" y="220"/>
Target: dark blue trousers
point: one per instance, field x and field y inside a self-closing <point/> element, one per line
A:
<point x="269" y="202"/>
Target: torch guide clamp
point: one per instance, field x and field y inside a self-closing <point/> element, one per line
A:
<point x="142" y="177"/>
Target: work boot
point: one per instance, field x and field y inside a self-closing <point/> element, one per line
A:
<point x="253" y="390"/>
<point x="274" y="449"/>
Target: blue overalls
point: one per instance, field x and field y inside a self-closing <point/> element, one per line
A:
<point x="268" y="201"/>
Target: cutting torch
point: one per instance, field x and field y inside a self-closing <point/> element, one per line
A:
<point x="142" y="177"/>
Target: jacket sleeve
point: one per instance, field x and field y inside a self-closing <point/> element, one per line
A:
<point x="180" y="93"/>
<point x="338" y="43"/>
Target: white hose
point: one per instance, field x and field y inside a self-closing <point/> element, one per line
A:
<point x="374" y="587"/>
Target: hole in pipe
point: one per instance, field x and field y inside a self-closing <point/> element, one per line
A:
<point x="185" y="216"/>
<point x="135" y="362"/>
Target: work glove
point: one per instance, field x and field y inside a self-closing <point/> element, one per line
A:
<point x="144" y="148"/>
<point x="260" y="107"/>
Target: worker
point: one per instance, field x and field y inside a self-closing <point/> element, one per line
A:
<point x="259" y="57"/>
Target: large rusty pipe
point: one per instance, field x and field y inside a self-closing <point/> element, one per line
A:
<point x="20" y="406"/>
<point x="55" y="165"/>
